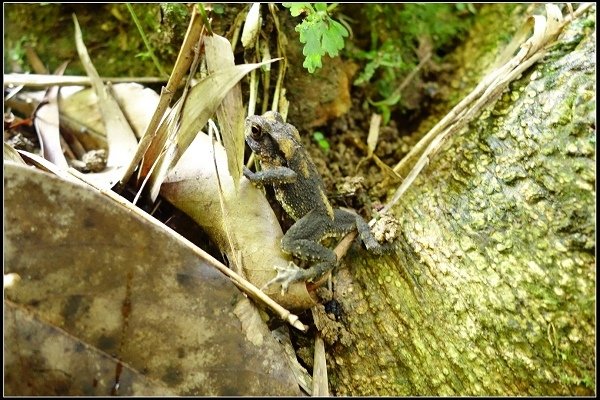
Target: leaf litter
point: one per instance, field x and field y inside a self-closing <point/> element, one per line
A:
<point x="189" y="120"/>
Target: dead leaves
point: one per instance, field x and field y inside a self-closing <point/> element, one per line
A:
<point x="100" y="278"/>
<point x="120" y="136"/>
<point x="104" y="297"/>
<point x="186" y="119"/>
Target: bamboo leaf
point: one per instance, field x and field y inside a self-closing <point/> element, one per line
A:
<point x="201" y="103"/>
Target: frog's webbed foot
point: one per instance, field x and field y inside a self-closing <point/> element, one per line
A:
<point x="292" y="273"/>
<point x="287" y="275"/>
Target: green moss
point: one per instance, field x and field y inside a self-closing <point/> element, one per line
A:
<point x="109" y="34"/>
<point x="168" y="34"/>
<point x="533" y="238"/>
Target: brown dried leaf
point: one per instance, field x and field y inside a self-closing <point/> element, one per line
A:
<point x="125" y="287"/>
<point x="251" y="26"/>
<point x="46" y="125"/>
<point x="201" y="103"/>
<point x="252" y="324"/>
<point x="136" y="102"/>
<point x="373" y="133"/>
<point x="79" y="106"/>
<point x="304" y="379"/>
<point x="10" y="154"/>
<point x="231" y="113"/>
<point x="185" y="58"/>
<point x="320" y="381"/>
<point x="62" y="362"/>
<point x="120" y="137"/>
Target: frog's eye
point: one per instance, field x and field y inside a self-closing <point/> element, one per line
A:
<point x="256" y="130"/>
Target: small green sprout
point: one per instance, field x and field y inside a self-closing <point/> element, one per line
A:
<point x="321" y="140"/>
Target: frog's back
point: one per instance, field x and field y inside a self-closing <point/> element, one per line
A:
<point x="307" y="192"/>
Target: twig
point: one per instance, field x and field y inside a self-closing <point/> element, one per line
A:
<point x="182" y="65"/>
<point x="34" y="61"/>
<point x="41" y="81"/>
<point x="320" y="381"/>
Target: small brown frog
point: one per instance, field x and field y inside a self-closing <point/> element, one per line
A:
<point x="299" y="188"/>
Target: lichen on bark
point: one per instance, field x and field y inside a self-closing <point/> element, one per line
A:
<point x="492" y="288"/>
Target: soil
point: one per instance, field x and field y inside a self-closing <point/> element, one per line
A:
<point x="346" y="162"/>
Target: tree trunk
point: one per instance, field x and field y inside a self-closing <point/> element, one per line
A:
<point x="491" y="290"/>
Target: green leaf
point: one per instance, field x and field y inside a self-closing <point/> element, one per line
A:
<point x="310" y="34"/>
<point x="298" y="8"/>
<point x="322" y="141"/>
<point x="333" y="38"/>
<point x="312" y="62"/>
<point x="367" y="73"/>
<point x="321" y="7"/>
<point x="389" y="101"/>
<point x="338" y="28"/>
<point x="320" y="34"/>
<point x="143" y="55"/>
<point x="386" y="114"/>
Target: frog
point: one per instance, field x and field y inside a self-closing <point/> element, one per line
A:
<point x="299" y="188"/>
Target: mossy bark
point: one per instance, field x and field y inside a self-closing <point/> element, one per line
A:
<point x="492" y="288"/>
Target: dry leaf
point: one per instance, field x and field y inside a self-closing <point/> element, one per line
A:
<point x="373" y="133"/>
<point x="251" y="26"/>
<point x="120" y="137"/>
<point x="304" y="379"/>
<point x="320" y="381"/>
<point x="46" y="125"/>
<point x="200" y="105"/>
<point x="10" y="154"/>
<point x="231" y="113"/>
<point x="81" y="105"/>
<point x="252" y="324"/>
<point x="63" y="364"/>
<point x="138" y="104"/>
<point x="124" y="287"/>
<point x="185" y="58"/>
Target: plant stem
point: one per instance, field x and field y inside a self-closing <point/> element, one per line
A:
<point x="204" y="17"/>
<point x="145" y="40"/>
<point x="331" y="7"/>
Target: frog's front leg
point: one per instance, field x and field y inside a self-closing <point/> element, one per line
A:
<point x="271" y="175"/>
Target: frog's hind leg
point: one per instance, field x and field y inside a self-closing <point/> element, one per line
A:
<point x="302" y="240"/>
<point x="346" y="221"/>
